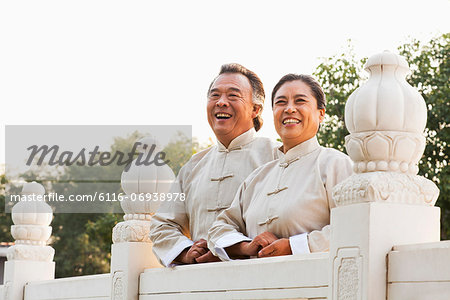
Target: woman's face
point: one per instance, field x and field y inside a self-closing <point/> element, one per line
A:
<point x="295" y="113"/>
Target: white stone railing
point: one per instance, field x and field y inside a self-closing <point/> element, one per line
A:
<point x="293" y="277"/>
<point x="420" y="271"/>
<point x="384" y="238"/>
<point x="82" y="287"/>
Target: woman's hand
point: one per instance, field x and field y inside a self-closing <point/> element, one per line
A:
<point x="245" y="249"/>
<point x="260" y="242"/>
<point x="277" y="248"/>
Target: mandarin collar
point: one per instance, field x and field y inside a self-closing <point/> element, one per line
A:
<point x="238" y="141"/>
<point x="300" y="150"/>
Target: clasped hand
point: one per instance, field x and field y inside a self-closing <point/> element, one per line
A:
<point x="197" y="253"/>
<point x="266" y="244"/>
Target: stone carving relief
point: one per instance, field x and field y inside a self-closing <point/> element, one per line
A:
<point x="385" y="151"/>
<point x="7" y="290"/>
<point x="118" y="288"/>
<point x="348" y="279"/>
<point x="131" y="231"/>
<point x="347" y="274"/>
<point x="31" y="234"/>
<point x="386" y="187"/>
<point x="30" y="252"/>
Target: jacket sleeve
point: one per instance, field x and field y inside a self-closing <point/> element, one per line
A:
<point x="169" y="227"/>
<point x="334" y="169"/>
<point x="229" y="227"/>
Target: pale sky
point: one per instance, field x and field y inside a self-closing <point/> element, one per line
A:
<point x="151" y="62"/>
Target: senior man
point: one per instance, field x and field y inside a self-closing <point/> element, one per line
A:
<point x="210" y="179"/>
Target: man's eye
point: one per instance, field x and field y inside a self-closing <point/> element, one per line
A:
<point x="213" y="96"/>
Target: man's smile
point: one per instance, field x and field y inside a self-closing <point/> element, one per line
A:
<point x="222" y="116"/>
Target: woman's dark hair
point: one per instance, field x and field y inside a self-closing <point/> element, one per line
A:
<point x="308" y="80"/>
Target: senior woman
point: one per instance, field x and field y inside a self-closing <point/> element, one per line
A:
<point x="283" y="207"/>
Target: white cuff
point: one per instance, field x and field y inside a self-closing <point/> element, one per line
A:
<point x="226" y="241"/>
<point x="299" y="243"/>
<point x="175" y="251"/>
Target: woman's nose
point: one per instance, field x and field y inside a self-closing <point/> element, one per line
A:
<point x="290" y="109"/>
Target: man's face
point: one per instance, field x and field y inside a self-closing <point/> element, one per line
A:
<point x="230" y="109"/>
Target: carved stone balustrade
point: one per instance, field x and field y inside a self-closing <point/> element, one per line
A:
<point x="386" y="118"/>
<point x="31" y="229"/>
<point x="30" y="259"/>
<point x="140" y="183"/>
<point x="385" y="203"/>
<point x="132" y="248"/>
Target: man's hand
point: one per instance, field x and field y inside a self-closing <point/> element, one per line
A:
<point x="189" y="256"/>
<point x="208" y="257"/>
<point x="277" y="248"/>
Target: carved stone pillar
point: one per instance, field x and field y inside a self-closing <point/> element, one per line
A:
<point x="385" y="203"/>
<point x="30" y="259"/>
<point x="132" y="248"/>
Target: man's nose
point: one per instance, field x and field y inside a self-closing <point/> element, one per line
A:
<point x="222" y="101"/>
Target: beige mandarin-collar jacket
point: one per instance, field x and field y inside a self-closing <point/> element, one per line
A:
<point x="209" y="181"/>
<point x="290" y="197"/>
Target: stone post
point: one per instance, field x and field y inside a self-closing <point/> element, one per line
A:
<point x="30" y="259"/>
<point x="132" y="248"/>
<point x="385" y="203"/>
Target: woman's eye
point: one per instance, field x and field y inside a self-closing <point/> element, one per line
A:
<point x="280" y="102"/>
<point x="300" y="100"/>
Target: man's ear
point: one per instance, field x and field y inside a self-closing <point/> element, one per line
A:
<point x="321" y="114"/>
<point x="256" y="110"/>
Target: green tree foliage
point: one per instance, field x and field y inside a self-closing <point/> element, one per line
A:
<point x="82" y="241"/>
<point x="5" y="219"/>
<point x="341" y="74"/>
<point x="178" y="151"/>
<point x="430" y="66"/>
<point x="79" y="248"/>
